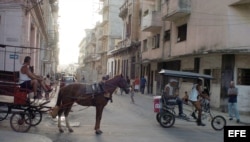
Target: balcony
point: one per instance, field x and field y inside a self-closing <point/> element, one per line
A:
<point x="102" y="34"/>
<point x="151" y="22"/>
<point x="105" y="7"/>
<point x="175" y="9"/>
<point x="239" y="2"/>
<point x="124" y="9"/>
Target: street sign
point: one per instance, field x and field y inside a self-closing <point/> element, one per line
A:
<point x="14" y="56"/>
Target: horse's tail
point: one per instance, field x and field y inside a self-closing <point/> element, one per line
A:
<point x="55" y="109"/>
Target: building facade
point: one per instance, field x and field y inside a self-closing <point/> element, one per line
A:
<point x="29" y="28"/>
<point x="207" y="37"/>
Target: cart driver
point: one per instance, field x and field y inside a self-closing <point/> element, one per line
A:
<point x="193" y="97"/>
<point x="171" y="92"/>
<point x="29" y="80"/>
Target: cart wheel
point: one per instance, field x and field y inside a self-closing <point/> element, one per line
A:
<point x="18" y="122"/>
<point x="167" y="120"/>
<point x="158" y="117"/>
<point x="218" y="122"/>
<point x="35" y="115"/>
<point x="4" y="111"/>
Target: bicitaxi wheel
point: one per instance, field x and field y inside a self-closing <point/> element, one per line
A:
<point x="167" y="120"/>
<point x="218" y="123"/>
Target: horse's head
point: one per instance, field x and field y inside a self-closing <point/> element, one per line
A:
<point x="122" y="83"/>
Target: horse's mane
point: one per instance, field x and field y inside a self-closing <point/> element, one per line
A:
<point x="115" y="77"/>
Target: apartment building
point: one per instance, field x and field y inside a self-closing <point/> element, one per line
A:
<point x="111" y="32"/>
<point x="151" y="51"/>
<point x="126" y="52"/>
<point x="29" y="27"/>
<point x="209" y="37"/>
<point x="91" y="67"/>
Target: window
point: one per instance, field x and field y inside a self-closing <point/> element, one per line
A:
<point x="145" y="13"/>
<point x="167" y="35"/>
<point x="129" y="26"/>
<point x="145" y="42"/>
<point x="140" y="17"/>
<point x="243" y="77"/>
<point x="182" y="33"/>
<point x="156" y="41"/>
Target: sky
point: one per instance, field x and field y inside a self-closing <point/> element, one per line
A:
<point x="74" y="17"/>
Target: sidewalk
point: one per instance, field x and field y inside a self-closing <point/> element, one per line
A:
<point x="12" y="136"/>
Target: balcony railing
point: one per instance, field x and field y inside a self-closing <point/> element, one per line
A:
<point x="152" y="22"/>
<point x="124" y="43"/>
<point x="238" y="2"/>
<point x="174" y="9"/>
<point x="124" y="9"/>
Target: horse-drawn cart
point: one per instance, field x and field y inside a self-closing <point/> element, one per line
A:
<point x="24" y="112"/>
<point x="14" y="100"/>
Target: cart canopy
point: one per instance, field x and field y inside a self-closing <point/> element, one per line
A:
<point x="184" y="74"/>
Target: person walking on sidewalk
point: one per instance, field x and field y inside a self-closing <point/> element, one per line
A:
<point x="137" y="84"/>
<point x="143" y="82"/>
<point x="132" y="92"/>
<point x="232" y="102"/>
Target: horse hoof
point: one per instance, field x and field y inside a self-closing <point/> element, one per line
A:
<point x="98" y="132"/>
<point x="71" y="130"/>
<point x="61" y="131"/>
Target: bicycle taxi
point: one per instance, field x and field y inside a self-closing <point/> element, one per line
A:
<point x="165" y="110"/>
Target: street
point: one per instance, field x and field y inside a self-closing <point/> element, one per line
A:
<point x="123" y="121"/>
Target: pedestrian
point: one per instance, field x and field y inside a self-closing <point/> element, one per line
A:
<point x="143" y="82"/>
<point x="137" y="84"/>
<point x="132" y="92"/>
<point x="232" y="102"/>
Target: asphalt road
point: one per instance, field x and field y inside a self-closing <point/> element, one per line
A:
<point x="123" y="121"/>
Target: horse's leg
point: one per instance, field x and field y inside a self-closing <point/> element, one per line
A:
<point x="66" y="113"/>
<point x="67" y="125"/>
<point x="59" y="122"/>
<point x="99" y="110"/>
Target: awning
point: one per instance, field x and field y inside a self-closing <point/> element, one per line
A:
<point x="183" y="74"/>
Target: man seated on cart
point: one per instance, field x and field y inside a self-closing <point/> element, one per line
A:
<point x="29" y="80"/>
<point x="171" y="94"/>
<point x="197" y="92"/>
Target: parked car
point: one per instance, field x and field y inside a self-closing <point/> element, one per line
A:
<point x="66" y="80"/>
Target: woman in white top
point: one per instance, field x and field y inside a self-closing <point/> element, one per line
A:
<point x="193" y="97"/>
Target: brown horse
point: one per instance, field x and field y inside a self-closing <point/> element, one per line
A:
<point x="85" y="95"/>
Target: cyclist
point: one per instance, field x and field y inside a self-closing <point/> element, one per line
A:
<point x="193" y="97"/>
